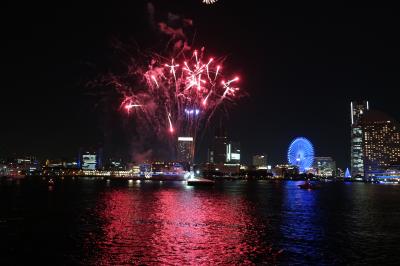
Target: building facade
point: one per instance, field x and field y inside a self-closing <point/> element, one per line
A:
<point x="260" y="161"/>
<point x="325" y="166"/>
<point x="217" y="153"/>
<point x="357" y="110"/>
<point x="185" y="149"/>
<point x="381" y="143"/>
<point x="285" y="171"/>
<point x="233" y="152"/>
<point x="89" y="161"/>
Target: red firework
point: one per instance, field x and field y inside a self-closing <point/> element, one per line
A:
<point x="177" y="95"/>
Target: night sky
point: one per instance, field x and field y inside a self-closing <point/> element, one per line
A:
<point x="301" y="67"/>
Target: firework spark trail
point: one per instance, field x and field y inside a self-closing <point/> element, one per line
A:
<point x="209" y="1"/>
<point x="172" y="67"/>
<point x="227" y="87"/>
<point x="178" y="95"/>
<point x="129" y="106"/>
<point x="206" y="98"/>
<point x="171" y="127"/>
<point x="216" y="72"/>
<point x="155" y="81"/>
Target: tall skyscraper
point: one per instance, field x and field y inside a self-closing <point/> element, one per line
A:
<point x="185" y="149"/>
<point x="357" y="109"/>
<point x="381" y="143"/>
<point x="217" y="153"/>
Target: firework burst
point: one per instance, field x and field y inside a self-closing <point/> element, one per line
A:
<point x="176" y="96"/>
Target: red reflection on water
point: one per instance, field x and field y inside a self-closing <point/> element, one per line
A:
<point x="175" y="226"/>
<point x="198" y="230"/>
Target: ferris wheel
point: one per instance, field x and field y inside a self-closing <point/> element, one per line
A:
<point x="301" y="154"/>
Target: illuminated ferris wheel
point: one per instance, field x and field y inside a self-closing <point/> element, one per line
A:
<point x="301" y="154"/>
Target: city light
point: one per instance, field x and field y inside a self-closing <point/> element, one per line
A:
<point x="185" y="139"/>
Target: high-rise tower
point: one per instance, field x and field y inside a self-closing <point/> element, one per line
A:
<point x="185" y="149"/>
<point x="381" y="143"/>
<point x="357" y="109"/>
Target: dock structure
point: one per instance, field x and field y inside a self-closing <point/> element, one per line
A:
<point x="199" y="181"/>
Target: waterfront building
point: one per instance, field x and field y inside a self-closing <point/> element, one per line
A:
<point x="185" y="149"/>
<point x="233" y="152"/>
<point x="260" y="161"/>
<point x="285" y="170"/>
<point x="357" y="110"/>
<point x="217" y="153"/>
<point x="115" y="164"/>
<point x="325" y="166"/>
<point x="89" y="161"/>
<point x="224" y="155"/>
<point x="381" y="143"/>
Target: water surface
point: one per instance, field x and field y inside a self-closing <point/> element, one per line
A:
<point x="94" y="222"/>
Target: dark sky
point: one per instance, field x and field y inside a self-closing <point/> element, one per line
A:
<point x="301" y="68"/>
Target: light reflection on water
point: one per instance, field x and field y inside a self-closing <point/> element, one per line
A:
<point x="92" y="222"/>
<point x="171" y="227"/>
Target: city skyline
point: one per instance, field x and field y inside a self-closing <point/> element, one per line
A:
<point x="199" y="132"/>
<point x="299" y="74"/>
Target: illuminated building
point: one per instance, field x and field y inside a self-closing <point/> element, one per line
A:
<point x="357" y="110"/>
<point x="89" y="161"/>
<point x="233" y="152"/>
<point x="228" y="168"/>
<point x="70" y="164"/>
<point x="26" y="160"/>
<point x="285" y="171"/>
<point x="260" y="161"/>
<point x="145" y="170"/>
<point x="185" y="149"/>
<point x="136" y="170"/>
<point x="390" y="175"/>
<point x="325" y="166"/>
<point x="115" y="164"/>
<point x="381" y="143"/>
<point x="28" y="164"/>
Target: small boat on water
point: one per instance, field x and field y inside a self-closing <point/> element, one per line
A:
<point x="51" y="182"/>
<point x="308" y="185"/>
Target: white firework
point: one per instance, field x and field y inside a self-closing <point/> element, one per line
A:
<point x="209" y="1"/>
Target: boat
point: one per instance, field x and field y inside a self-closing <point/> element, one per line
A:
<point x="51" y="182"/>
<point x="308" y="185"/>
